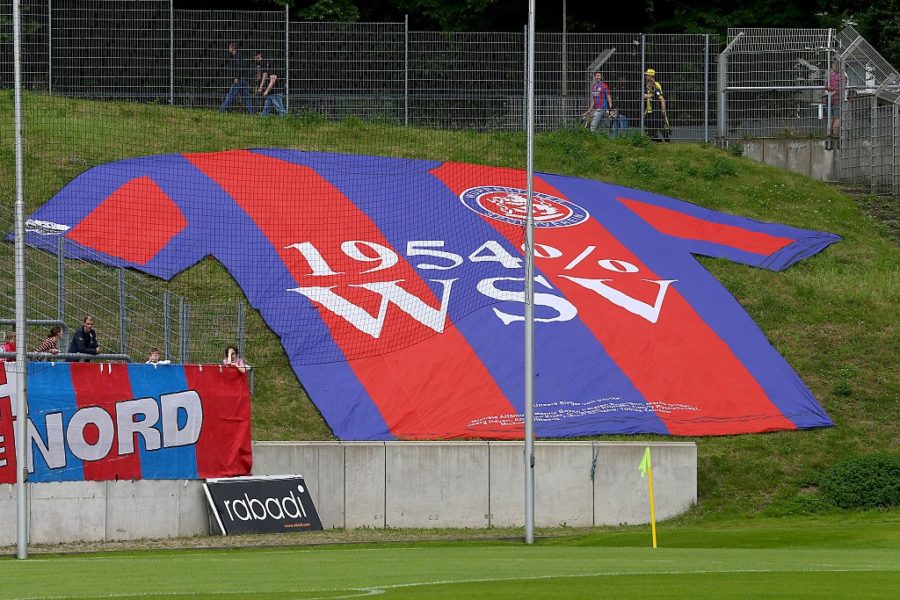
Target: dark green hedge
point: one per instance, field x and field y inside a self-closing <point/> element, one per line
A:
<point x="871" y="481"/>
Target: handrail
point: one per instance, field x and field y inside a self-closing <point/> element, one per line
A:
<point x="71" y="356"/>
<point x="46" y="322"/>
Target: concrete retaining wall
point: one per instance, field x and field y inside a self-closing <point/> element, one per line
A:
<point x="393" y="484"/>
<point x="812" y="158"/>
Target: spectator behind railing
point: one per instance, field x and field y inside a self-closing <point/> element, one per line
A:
<point x="84" y="341"/>
<point x="50" y="345"/>
<point x="233" y="360"/>
<point x="153" y="359"/>
<point x="8" y="345"/>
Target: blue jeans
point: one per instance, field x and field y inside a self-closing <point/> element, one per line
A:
<point x="241" y="88"/>
<point x="276" y="101"/>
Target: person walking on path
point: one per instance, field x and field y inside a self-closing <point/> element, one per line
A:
<point x="268" y="86"/>
<point x="601" y="102"/>
<point x="656" y="118"/>
<point x="237" y="70"/>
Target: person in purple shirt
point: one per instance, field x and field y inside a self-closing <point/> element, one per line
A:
<point x="601" y="101"/>
<point x="833" y="93"/>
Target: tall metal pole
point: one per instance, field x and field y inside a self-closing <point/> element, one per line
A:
<point x="21" y="368"/>
<point x="405" y="70"/>
<point x="171" y="52"/>
<point x="529" y="290"/>
<point x="565" y="76"/>
<point x="50" y="47"/>
<point x="643" y="86"/>
<point x="287" y="57"/>
<point x="706" y="91"/>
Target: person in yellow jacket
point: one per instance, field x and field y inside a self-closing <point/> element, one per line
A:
<point x="656" y="119"/>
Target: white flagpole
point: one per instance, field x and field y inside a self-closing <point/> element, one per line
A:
<point x="529" y="289"/>
<point x="21" y="368"/>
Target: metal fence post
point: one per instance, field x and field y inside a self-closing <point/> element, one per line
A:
<point x="171" y="51"/>
<point x="123" y="315"/>
<point x="564" y="69"/>
<point x="184" y="310"/>
<point x="167" y="331"/>
<point x="241" y="315"/>
<point x="524" y="76"/>
<point x="61" y="279"/>
<point x="895" y="167"/>
<point x="706" y="90"/>
<point x="643" y="70"/>
<point x="287" y="57"/>
<point x="722" y="116"/>
<point x="181" y="330"/>
<point x="405" y="70"/>
<point x="873" y="135"/>
<point x="50" y="47"/>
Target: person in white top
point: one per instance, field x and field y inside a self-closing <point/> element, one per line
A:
<point x="153" y="359"/>
<point x="233" y="360"/>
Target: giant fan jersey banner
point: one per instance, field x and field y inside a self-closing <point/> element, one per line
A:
<point x="396" y="288"/>
<point x="100" y="422"/>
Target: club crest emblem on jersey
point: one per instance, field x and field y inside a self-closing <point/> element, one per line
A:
<point x="508" y="204"/>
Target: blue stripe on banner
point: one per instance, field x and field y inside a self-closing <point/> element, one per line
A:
<point x="51" y="399"/>
<point x="577" y="385"/>
<point x="718" y="308"/>
<point x="180" y="462"/>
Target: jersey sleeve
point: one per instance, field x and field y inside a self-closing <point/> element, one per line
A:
<point x="133" y="213"/>
<point x="709" y="233"/>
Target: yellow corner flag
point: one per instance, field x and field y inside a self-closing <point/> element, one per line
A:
<point x="646" y="469"/>
<point x="645" y="463"/>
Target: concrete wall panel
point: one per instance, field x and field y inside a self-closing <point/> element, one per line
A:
<point x="563" y="491"/>
<point x="365" y="484"/>
<point x="320" y="463"/>
<point x="799" y="157"/>
<point x="436" y="484"/>
<point x="142" y="509"/>
<point x="620" y="493"/>
<point x="774" y="153"/>
<point x="507" y="485"/>
<point x="193" y="514"/>
<point x="7" y="514"/>
<point x="67" y="512"/>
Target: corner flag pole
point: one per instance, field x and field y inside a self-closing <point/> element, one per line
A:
<point x="646" y="468"/>
<point x="529" y="287"/>
<point x="21" y="368"/>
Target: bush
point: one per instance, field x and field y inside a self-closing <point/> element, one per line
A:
<point x="871" y="481"/>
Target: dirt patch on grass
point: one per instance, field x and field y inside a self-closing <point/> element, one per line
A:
<point x="310" y="538"/>
<point x="883" y="209"/>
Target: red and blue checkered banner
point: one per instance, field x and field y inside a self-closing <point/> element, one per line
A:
<point x="396" y="289"/>
<point x="101" y="422"/>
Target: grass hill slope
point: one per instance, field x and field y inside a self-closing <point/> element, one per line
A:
<point x="834" y="317"/>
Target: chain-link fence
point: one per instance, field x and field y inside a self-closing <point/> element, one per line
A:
<point x="150" y="51"/>
<point x="766" y="83"/>
<point x="870" y="117"/>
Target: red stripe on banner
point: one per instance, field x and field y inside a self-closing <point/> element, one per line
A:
<point x="717" y="395"/>
<point x="224" y="447"/>
<point x="684" y="226"/>
<point x="105" y="388"/>
<point x="7" y="429"/>
<point x="138" y="201"/>
<point x="412" y="374"/>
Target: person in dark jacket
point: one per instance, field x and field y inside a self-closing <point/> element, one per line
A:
<point x="85" y="339"/>
<point x="237" y="71"/>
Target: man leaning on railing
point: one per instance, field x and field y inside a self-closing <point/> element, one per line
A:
<point x="84" y="341"/>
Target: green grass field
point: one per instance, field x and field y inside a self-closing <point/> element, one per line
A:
<point x="851" y="556"/>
